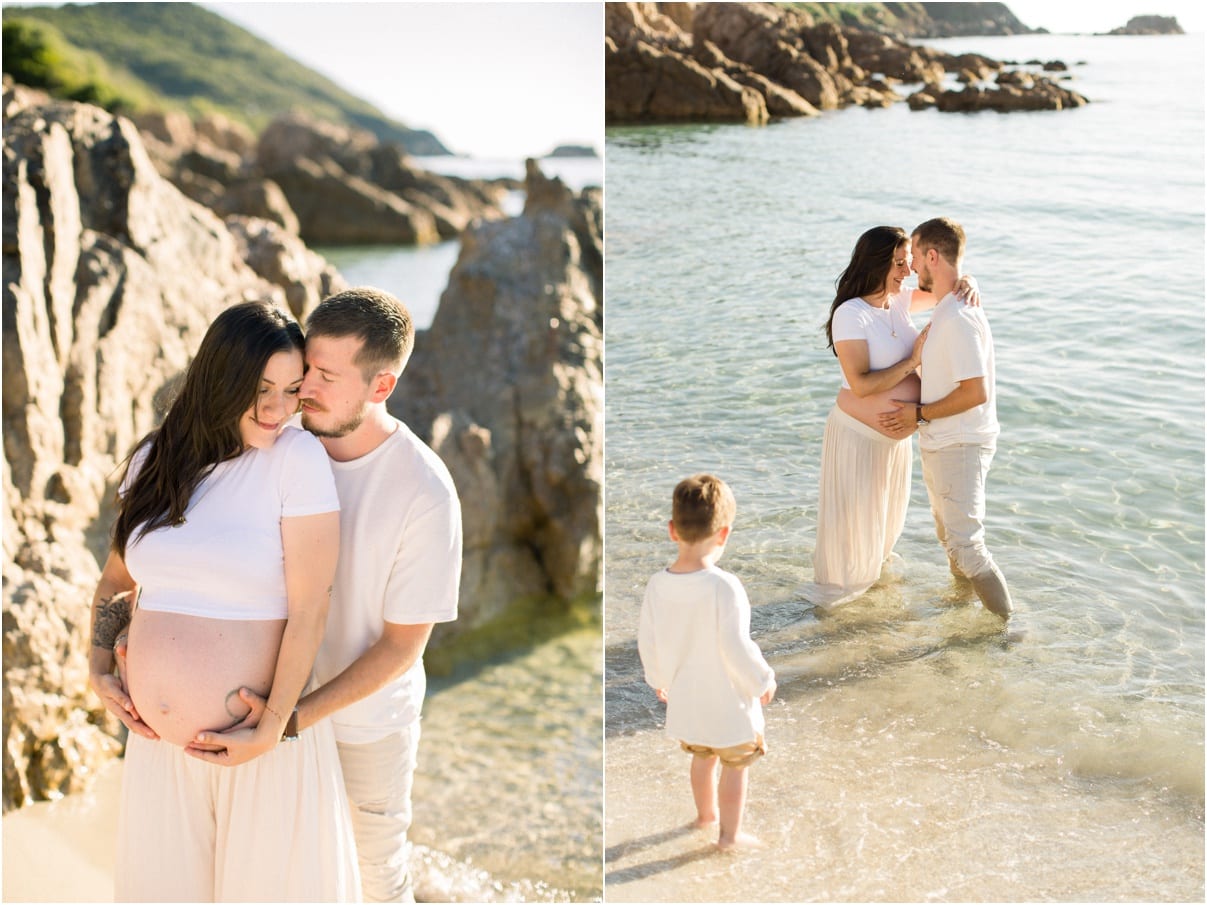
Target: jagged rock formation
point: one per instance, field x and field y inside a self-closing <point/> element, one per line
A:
<point x="653" y="71"/>
<point x="330" y="184"/>
<point x="754" y="61"/>
<point x="508" y="386"/>
<point x="110" y="278"/>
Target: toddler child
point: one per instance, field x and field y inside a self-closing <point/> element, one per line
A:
<point x="694" y="642"/>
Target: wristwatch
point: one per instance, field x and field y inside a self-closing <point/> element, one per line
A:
<point x="918" y="412"/>
<point x="291" y="728"/>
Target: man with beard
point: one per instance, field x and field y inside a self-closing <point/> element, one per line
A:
<point x="957" y="417"/>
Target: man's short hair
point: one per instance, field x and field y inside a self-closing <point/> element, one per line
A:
<point x="381" y="322"/>
<point x="703" y="505"/>
<point x="944" y="235"/>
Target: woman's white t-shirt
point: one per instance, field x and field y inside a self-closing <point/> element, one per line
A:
<point x="227" y="561"/>
<point x="856" y="319"/>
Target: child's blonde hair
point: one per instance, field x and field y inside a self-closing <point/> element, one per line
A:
<point x="703" y="505"/>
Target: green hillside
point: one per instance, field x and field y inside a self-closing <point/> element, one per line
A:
<point x="133" y="56"/>
<point x="920" y="20"/>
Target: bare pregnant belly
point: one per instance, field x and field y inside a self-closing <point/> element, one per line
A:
<point x="181" y="670"/>
<point x="868" y="408"/>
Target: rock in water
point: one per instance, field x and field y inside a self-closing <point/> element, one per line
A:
<point x="347" y="188"/>
<point x="721" y="62"/>
<point x="507" y="385"/>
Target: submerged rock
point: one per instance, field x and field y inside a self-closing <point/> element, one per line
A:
<point x="1015" y="91"/>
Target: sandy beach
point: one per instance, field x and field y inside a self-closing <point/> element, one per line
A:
<point x="62" y="851"/>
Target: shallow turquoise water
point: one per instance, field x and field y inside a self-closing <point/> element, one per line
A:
<point x="1078" y="737"/>
<point x="508" y="789"/>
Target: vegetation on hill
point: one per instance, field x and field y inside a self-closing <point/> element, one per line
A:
<point x="920" y="20"/>
<point x="134" y="56"/>
<point x="36" y="54"/>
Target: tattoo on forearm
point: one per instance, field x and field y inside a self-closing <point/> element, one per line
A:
<point x="111" y="617"/>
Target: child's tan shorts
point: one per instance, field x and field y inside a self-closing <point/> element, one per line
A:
<point x="734" y="756"/>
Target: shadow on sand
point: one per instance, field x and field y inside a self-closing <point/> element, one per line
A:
<point x="649" y="868"/>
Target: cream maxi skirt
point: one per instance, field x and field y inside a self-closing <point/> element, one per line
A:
<point x="275" y="829"/>
<point x="865" y="486"/>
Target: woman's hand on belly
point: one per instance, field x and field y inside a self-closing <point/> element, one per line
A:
<point x="184" y="672"/>
<point x="868" y="409"/>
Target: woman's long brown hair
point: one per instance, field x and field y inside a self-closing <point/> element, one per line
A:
<point x="201" y="427"/>
<point x="868" y="270"/>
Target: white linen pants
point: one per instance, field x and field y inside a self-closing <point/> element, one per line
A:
<point x="955" y="483"/>
<point x="275" y="829"/>
<point x="378" y="777"/>
<point x="865" y="485"/>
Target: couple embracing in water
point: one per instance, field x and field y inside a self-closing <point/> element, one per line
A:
<point x="260" y="622"/>
<point x="897" y="380"/>
<point x="694" y="634"/>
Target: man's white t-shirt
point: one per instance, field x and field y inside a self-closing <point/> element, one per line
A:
<point x="958" y="347"/>
<point x="400" y="562"/>
<point x="856" y="319"/>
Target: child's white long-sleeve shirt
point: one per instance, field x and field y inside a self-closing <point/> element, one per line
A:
<point x="694" y="641"/>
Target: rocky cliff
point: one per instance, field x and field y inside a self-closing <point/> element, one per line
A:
<point x="112" y="274"/>
<point x="750" y="62"/>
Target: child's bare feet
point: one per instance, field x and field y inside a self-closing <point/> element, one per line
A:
<point x="741" y="840"/>
<point x="703" y="823"/>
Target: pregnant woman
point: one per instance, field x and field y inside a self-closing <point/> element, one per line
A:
<point x="865" y="470"/>
<point x="227" y="535"/>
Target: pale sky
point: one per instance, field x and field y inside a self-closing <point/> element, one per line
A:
<point x="506" y="80"/>
<point x="1067" y="16"/>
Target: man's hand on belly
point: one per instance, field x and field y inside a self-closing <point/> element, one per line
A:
<point x="246" y="708"/>
<point x="900" y="422"/>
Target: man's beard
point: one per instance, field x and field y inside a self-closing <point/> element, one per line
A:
<point x="926" y="282"/>
<point x="340" y="430"/>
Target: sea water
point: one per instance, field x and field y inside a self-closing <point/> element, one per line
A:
<point x="918" y="751"/>
<point x="510" y="778"/>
